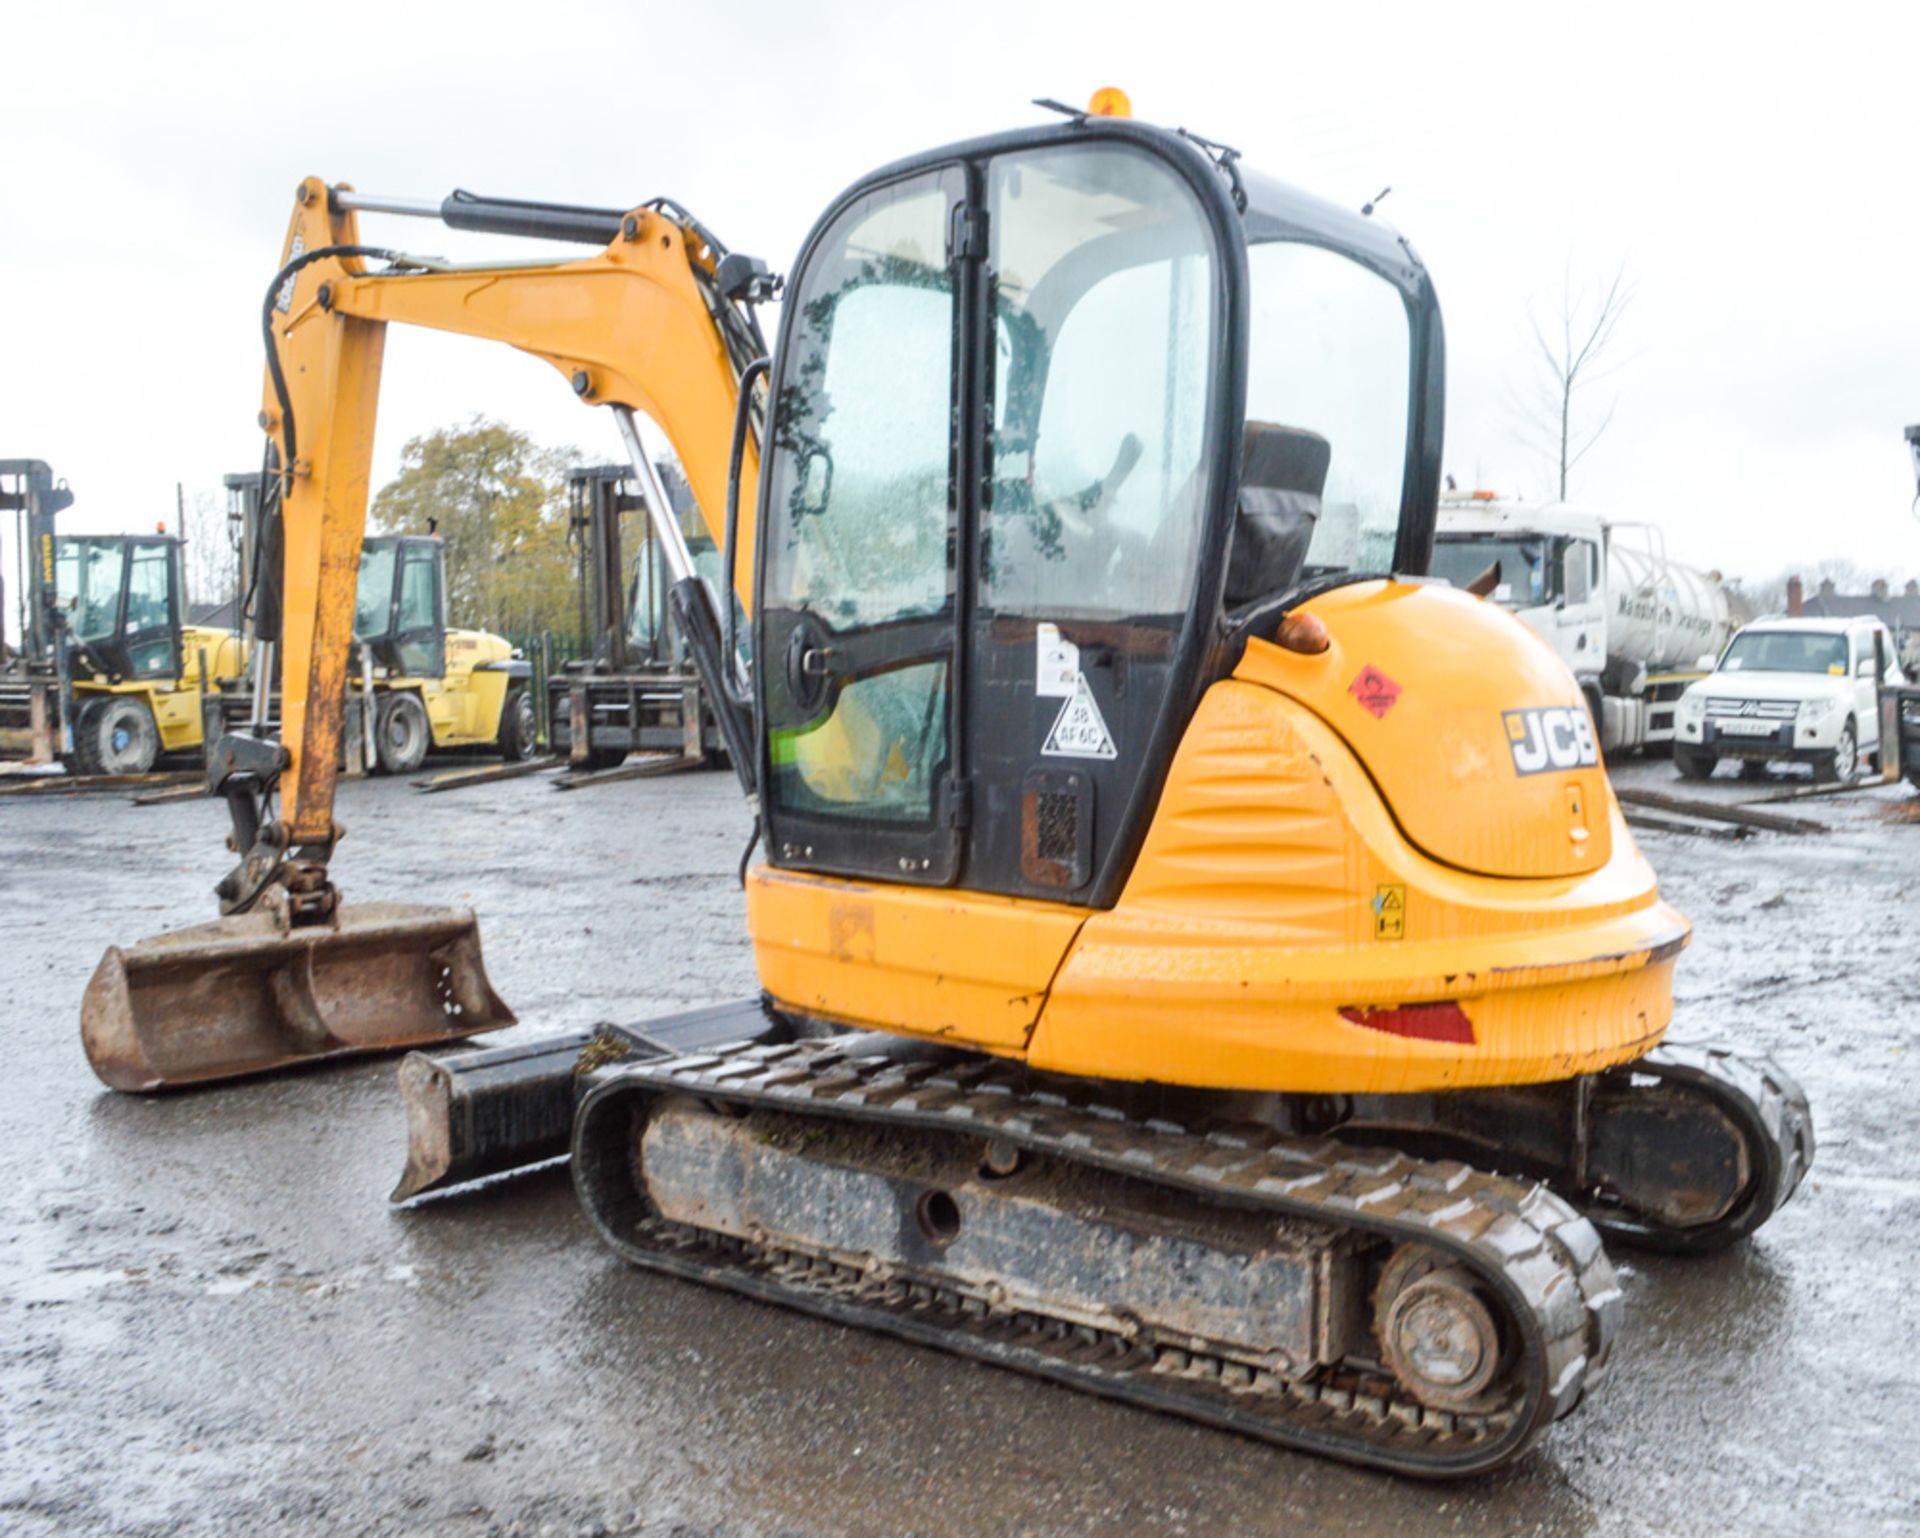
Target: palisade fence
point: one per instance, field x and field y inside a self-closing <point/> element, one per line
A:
<point x="549" y="651"/>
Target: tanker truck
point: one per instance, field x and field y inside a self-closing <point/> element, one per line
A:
<point x="1634" y="627"/>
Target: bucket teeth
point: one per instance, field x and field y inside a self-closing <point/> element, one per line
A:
<point x="246" y="995"/>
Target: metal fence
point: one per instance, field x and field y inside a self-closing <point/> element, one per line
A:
<point x="549" y="651"/>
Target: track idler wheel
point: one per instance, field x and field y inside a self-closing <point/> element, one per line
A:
<point x="1438" y="1334"/>
<point x="1686" y="1150"/>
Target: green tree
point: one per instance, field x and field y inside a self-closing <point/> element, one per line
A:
<point x="499" y="501"/>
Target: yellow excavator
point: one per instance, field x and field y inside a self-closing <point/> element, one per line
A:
<point x="1202" y="961"/>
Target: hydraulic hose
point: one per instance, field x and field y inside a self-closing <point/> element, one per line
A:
<point x="280" y="281"/>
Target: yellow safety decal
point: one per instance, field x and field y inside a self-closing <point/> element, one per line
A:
<point x="1390" y="912"/>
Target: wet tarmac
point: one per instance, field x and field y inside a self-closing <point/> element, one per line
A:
<point x="212" y="1322"/>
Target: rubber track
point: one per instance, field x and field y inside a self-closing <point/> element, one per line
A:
<point x="1772" y="1111"/>
<point x="1540" y="1258"/>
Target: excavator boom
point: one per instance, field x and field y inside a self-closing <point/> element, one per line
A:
<point x="288" y="973"/>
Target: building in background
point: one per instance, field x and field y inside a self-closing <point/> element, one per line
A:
<point x="1900" y="612"/>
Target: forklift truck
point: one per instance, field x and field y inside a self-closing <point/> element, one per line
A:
<point x="638" y="690"/>
<point x="107" y="677"/>
<point x="415" y="685"/>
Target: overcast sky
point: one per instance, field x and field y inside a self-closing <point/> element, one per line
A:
<point x="1753" y="167"/>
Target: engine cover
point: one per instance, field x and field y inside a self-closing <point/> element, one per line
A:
<point x="1475" y="732"/>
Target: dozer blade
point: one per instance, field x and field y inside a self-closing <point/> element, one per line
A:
<point x="475" y="1114"/>
<point x="244" y="995"/>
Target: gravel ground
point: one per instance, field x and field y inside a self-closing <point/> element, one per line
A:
<point x="211" y="1322"/>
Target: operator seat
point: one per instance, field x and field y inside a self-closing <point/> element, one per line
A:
<point x="1283" y="471"/>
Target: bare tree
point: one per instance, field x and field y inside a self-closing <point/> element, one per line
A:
<point x="1572" y="348"/>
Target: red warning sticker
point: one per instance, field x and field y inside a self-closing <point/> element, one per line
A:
<point x="1375" y="691"/>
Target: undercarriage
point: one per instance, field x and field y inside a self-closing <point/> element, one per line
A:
<point x="1412" y="1282"/>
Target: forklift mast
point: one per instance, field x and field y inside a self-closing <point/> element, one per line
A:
<point x="28" y="490"/>
<point x="597" y="497"/>
<point x="257" y="616"/>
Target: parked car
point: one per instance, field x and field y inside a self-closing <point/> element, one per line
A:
<point x="1797" y="690"/>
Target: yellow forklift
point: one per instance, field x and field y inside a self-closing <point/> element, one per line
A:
<point x="415" y="686"/>
<point x="107" y="677"/>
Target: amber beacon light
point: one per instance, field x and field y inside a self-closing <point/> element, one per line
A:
<point x="1110" y="101"/>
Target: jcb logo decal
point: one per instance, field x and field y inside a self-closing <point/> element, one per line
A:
<point x="1550" y="737"/>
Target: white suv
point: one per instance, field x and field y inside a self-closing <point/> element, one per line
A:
<point x="1805" y="690"/>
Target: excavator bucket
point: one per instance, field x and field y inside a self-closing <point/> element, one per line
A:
<point x="247" y="994"/>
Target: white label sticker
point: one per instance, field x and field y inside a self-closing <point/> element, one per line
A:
<point x="1079" y="731"/>
<point x="1056" y="662"/>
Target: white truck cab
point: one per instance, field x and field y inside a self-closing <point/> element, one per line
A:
<point x="1798" y="690"/>
<point x="1629" y="624"/>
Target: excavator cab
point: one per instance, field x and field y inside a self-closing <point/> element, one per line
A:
<point x="1058" y="419"/>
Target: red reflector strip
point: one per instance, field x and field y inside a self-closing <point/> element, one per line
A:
<point x="1423" y="1022"/>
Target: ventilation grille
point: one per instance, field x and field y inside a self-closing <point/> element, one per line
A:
<point x="1056" y="829"/>
<point x="1058" y="822"/>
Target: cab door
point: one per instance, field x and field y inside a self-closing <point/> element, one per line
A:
<point x="855" y="629"/>
<point x="997" y="451"/>
<point x="1580" y="619"/>
<point x="150" y="611"/>
<point x="419" y="618"/>
<point x="1104" y="284"/>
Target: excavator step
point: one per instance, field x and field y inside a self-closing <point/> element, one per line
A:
<point x="1430" y="1319"/>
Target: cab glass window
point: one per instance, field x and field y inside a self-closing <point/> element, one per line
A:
<point x="1786" y="651"/>
<point x="879" y="752"/>
<point x="864" y="419"/>
<point x="149" y="585"/>
<point x="86" y="585"/>
<point x="649" y="624"/>
<point x="1330" y="352"/>
<point x="373" y="598"/>
<point x="417" y="624"/>
<point x="1525" y="578"/>
<point x="418" y="611"/>
<point x="856" y="534"/>
<point x="1103" y="295"/>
